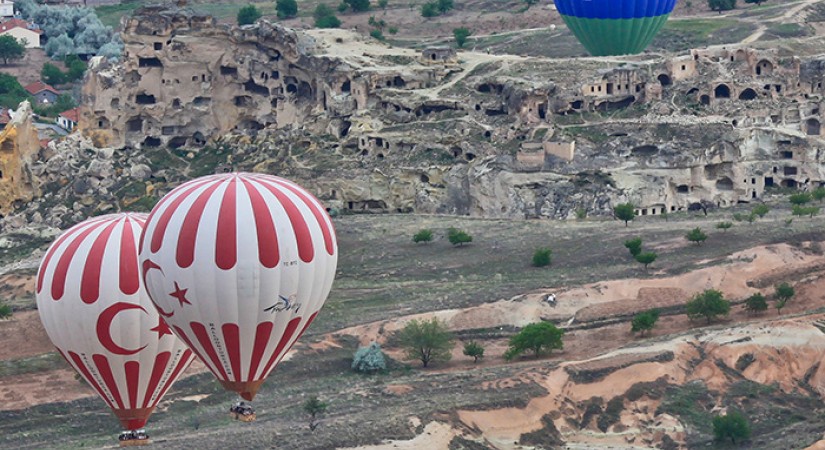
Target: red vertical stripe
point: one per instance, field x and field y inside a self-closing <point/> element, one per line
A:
<point x="182" y="364"/>
<point x="302" y="235"/>
<point x="311" y="318"/>
<point x="50" y="253"/>
<point x="262" y="334"/>
<point x="320" y="215"/>
<point x="267" y="236"/>
<point x="288" y="332"/>
<point x="163" y="221"/>
<point x="157" y="372"/>
<point x="105" y="371"/>
<point x="189" y="229"/>
<point x="179" y="332"/>
<point x="132" y="369"/>
<point x="90" y="283"/>
<point x="88" y="376"/>
<point x="129" y="273"/>
<point x="233" y="348"/>
<point x="226" y="245"/>
<point x="59" y="280"/>
<point x="206" y="343"/>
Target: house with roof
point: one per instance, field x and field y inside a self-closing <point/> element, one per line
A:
<point x="20" y="29"/>
<point x="68" y="119"/>
<point x="42" y="92"/>
<point x="6" y="9"/>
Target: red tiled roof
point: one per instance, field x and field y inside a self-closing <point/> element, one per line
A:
<point x="39" y="86"/>
<point x="71" y="114"/>
<point x="17" y="23"/>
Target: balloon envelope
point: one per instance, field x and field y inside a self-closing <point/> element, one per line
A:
<point x="239" y="265"/>
<point x="615" y="27"/>
<point x="96" y="312"/>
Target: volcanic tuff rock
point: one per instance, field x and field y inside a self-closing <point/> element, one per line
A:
<point x="374" y="128"/>
<point x="18" y="144"/>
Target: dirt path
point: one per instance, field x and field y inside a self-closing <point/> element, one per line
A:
<point x="762" y="27"/>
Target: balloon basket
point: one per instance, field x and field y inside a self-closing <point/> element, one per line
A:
<point x="243" y="417"/>
<point x="135" y="442"/>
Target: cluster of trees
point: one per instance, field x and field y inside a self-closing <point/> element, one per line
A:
<point x="435" y="8"/>
<point x="71" y="30"/>
<point x="52" y="74"/>
<point x="11" y="92"/>
<point x="454" y="235"/>
<point x="431" y="341"/>
<point x="799" y="202"/>
<point x="727" y="5"/>
<point x="325" y="17"/>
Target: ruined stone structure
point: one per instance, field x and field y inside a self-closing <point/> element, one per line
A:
<point x="387" y="129"/>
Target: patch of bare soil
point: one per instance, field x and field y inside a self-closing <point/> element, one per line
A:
<point x="27" y="70"/>
<point x="22" y="391"/>
<point x="22" y="336"/>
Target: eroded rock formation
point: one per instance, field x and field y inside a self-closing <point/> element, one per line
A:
<point x="18" y="145"/>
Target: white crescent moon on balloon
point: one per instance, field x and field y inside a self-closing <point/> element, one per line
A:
<point x="104" y="325"/>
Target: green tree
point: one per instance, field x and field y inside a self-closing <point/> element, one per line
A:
<point x="377" y="34"/>
<point x="11" y="92"/>
<point x="461" y="35"/>
<point x="530" y="3"/>
<point x="52" y="74"/>
<point x="382" y="4"/>
<point x="758" y="2"/>
<point x="818" y="194"/>
<point x="429" y="9"/>
<point x="458" y="237"/>
<point x="784" y="292"/>
<point x="358" y="5"/>
<point x="424" y="235"/>
<point x="11" y="48"/>
<point x="624" y="211"/>
<point x="445" y="5"/>
<point x="248" y="15"/>
<point x="342" y="7"/>
<point x="708" y="304"/>
<point x="474" y="350"/>
<point x="76" y="68"/>
<point x="646" y="258"/>
<point x="800" y="198"/>
<point x="721" y="5"/>
<point x="5" y="311"/>
<point x="724" y="225"/>
<point x="760" y="210"/>
<point x="325" y="17"/>
<point x="799" y="210"/>
<point x="286" y="9"/>
<point x="541" y="257"/>
<point x="644" y="321"/>
<point x="733" y="425"/>
<point x="696" y="235"/>
<point x="315" y="408"/>
<point x="535" y="337"/>
<point x="756" y="303"/>
<point x="634" y="246"/>
<point x="392" y="30"/>
<point x="369" y="359"/>
<point x="426" y="340"/>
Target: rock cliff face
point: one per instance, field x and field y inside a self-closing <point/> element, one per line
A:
<point x="18" y="144"/>
<point x="373" y="128"/>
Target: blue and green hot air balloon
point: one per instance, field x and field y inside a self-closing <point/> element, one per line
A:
<point x="615" y="27"/>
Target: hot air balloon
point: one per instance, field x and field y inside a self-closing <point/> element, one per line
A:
<point x="239" y="265"/>
<point x="615" y="27"/>
<point x="96" y="312"/>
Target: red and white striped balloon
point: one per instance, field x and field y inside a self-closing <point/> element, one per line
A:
<point x="96" y="312"/>
<point x="239" y="265"/>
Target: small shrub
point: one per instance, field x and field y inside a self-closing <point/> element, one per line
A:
<point x="733" y="425"/>
<point x="724" y="225"/>
<point x="369" y="359"/>
<point x="581" y="213"/>
<point x="286" y="8"/>
<point x="458" y="237"/>
<point x="314" y="407"/>
<point x="784" y="292"/>
<point x="708" y="304"/>
<point x="461" y="35"/>
<point x="646" y="258"/>
<point x="625" y="212"/>
<point x="535" y="337"/>
<point x="393" y="30"/>
<point x="760" y="210"/>
<point x="541" y="257"/>
<point x="696" y="235"/>
<point x="756" y="303"/>
<point x="5" y="311"/>
<point x="423" y="236"/>
<point x="429" y="9"/>
<point x="634" y="246"/>
<point x="818" y="194"/>
<point x="248" y="15"/>
<point x="644" y="321"/>
<point x="800" y="198"/>
<point x="474" y="350"/>
<point x="377" y="34"/>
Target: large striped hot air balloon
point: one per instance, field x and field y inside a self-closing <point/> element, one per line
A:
<point x="239" y="265"/>
<point x="96" y="312"/>
<point x="615" y="27"/>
